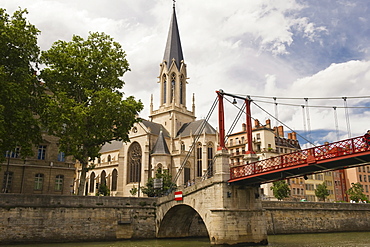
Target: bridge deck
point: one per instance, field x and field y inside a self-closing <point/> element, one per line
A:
<point x="333" y="156"/>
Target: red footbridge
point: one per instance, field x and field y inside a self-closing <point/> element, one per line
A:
<point x="334" y="156"/>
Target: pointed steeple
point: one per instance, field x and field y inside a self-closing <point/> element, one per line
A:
<point x="160" y="147"/>
<point x="173" y="49"/>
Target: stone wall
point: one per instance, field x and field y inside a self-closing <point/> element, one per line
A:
<point x="313" y="217"/>
<point x="41" y="218"/>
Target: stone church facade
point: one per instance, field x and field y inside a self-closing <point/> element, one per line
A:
<point x="171" y="139"/>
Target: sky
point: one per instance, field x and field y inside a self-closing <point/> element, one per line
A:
<point x="315" y="51"/>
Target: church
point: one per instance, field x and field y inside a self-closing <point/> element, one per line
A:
<point x="170" y="139"/>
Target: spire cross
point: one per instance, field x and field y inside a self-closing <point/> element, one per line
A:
<point x="174" y="1"/>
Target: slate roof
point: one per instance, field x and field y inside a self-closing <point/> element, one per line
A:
<point x="194" y="128"/>
<point x="155" y="128"/>
<point x="114" y="145"/>
<point x="173" y="48"/>
<point x="160" y="147"/>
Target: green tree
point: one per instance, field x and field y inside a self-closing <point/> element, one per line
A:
<point x="20" y="91"/>
<point x="86" y="108"/>
<point x="322" y="191"/>
<point x="356" y="192"/>
<point x="280" y="189"/>
<point x="167" y="187"/>
<point x="103" y="190"/>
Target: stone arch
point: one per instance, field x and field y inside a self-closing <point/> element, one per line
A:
<point x="181" y="221"/>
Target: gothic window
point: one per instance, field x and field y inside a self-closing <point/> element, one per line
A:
<point x="210" y="159"/>
<point x="134" y="163"/>
<point x="103" y="179"/>
<point x="187" y="172"/>
<point x="41" y="152"/>
<point x="173" y="82"/>
<point x="59" y="183"/>
<point x="109" y="158"/>
<point x="92" y="182"/>
<point x="114" y="180"/>
<point x="199" y="159"/>
<point x="39" y="180"/>
<point x="182" y="146"/>
<point x="182" y="89"/>
<point x="7" y="182"/>
<point x="164" y="88"/>
<point x="159" y="168"/>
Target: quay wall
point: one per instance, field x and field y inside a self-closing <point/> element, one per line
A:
<point x="49" y="218"/>
<point x="315" y="217"/>
<point x="57" y="218"/>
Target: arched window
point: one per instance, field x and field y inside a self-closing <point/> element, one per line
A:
<point x="134" y="163"/>
<point x="173" y="83"/>
<point x="114" y="180"/>
<point x="210" y="159"/>
<point x="39" y="180"/>
<point x="199" y="159"/>
<point x="182" y="146"/>
<point x="182" y="83"/>
<point x="109" y="158"/>
<point x="164" y="89"/>
<point x="103" y="178"/>
<point x="59" y="183"/>
<point x="92" y="182"/>
<point x="187" y="173"/>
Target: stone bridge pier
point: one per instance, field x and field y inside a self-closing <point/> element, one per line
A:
<point x="228" y="214"/>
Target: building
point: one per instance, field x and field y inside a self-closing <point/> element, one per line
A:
<point x="267" y="142"/>
<point x="47" y="172"/>
<point x="171" y="139"/>
<point x="360" y="175"/>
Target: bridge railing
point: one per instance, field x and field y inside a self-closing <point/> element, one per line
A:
<point x="306" y="156"/>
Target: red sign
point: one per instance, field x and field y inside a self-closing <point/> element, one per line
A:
<point x="178" y="196"/>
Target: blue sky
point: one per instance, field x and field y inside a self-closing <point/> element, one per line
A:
<point x="274" y="48"/>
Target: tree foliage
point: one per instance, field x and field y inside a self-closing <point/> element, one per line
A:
<point x="280" y="189"/>
<point x="20" y="91"/>
<point x="167" y="187"/>
<point x="322" y="191"/>
<point x="356" y="192"/>
<point x="85" y="106"/>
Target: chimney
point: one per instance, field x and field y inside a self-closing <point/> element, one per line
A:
<point x="290" y="136"/>
<point x="244" y="127"/>
<point x="268" y="123"/>
<point x="281" y="131"/>
<point x="256" y="123"/>
<point x="294" y="135"/>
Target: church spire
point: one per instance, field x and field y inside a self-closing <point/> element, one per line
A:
<point x="173" y="51"/>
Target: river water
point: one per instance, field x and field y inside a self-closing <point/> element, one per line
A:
<point x="348" y="239"/>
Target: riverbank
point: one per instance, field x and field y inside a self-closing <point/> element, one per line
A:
<point x="43" y="218"/>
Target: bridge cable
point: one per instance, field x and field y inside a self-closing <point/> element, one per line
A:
<point x="199" y="130"/>
<point x="347" y="117"/>
<point x="304" y="138"/>
<point x="209" y="171"/>
<point x="276" y="111"/>
<point x="336" y="122"/>
<point x="308" y="120"/>
<point x="304" y="120"/>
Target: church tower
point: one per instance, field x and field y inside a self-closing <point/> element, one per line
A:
<point x="172" y="112"/>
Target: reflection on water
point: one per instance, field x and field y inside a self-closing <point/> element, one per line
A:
<point x="349" y="239"/>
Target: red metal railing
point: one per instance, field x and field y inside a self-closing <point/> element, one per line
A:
<point x="306" y="156"/>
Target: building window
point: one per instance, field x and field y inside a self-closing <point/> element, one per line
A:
<point x="109" y="158"/>
<point x="39" y="180"/>
<point x="61" y="157"/>
<point x="182" y="89"/>
<point x="92" y="182"/>
<point x="13" y="154"/>
<point x="182" y="146"/>
<point x="173" y="83"/>
<point x="7" y="182"/>
<point x="59" y="182"/>
<point x="210" y="159"/>
<point x="103" y="178"/>
<point x="199" y="160"/>
<point x="114" y="180"/>
<point x="360" y="178"/>
<point x="41" y="152"/>
<point x="134" y="163"/>
<point x="187" y="173"/>
<point x="164" y="89"/>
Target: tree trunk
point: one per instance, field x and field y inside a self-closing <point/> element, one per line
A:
<point x="81" y="186"/>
